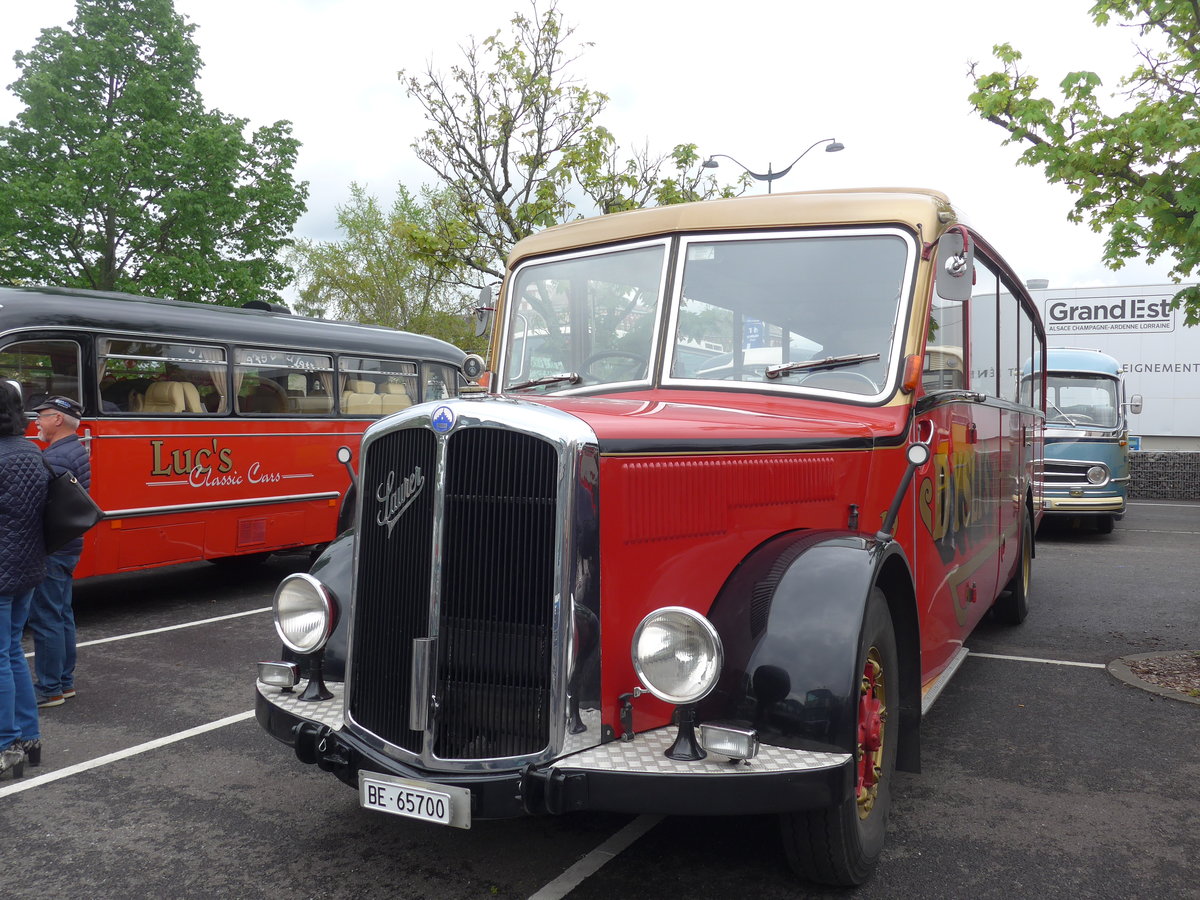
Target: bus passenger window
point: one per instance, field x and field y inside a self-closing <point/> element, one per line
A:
<point x="153" y="378"/>
<point x="376" y="387"/>
<point x="281" y="382"/>
<point x="43" y="369"/>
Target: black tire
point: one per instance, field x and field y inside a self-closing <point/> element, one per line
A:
<point x="1104" y="524"/>
<point x="840" y="845"/>
<point x="1012" y="606"/>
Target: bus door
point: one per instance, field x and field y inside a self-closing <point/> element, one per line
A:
<point x="955" y="545"/>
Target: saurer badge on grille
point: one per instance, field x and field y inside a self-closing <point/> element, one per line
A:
<point x="393" y="500"/>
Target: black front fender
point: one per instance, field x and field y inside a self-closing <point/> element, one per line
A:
<point x="790" y="619"/>
<point x="334" y="568"/>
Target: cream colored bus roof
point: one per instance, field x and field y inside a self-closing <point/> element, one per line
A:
<point x="912" y="206"/>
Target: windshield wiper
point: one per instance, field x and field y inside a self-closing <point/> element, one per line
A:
<point x="570" y="377"/>
<point x="1070" y="421"/>
<point x="830" y="362"/>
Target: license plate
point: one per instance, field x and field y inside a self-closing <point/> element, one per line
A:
<point x="438" y="803"/>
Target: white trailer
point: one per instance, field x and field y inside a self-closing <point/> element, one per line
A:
<point x="1160" y="355"/>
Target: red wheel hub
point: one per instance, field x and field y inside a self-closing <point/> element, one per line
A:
<point x="871" y="714"/>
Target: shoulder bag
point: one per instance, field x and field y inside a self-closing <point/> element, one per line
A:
<point x="69" y="512"/>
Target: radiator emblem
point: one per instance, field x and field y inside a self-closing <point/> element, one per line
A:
<point x="394" y="500"/>
<point x="442" y="419"/>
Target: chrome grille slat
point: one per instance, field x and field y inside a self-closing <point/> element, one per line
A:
<point x="392" y="591"/>
<point x="496" y="619"/>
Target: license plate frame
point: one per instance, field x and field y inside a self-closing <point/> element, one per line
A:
<point x="437" y="804"/>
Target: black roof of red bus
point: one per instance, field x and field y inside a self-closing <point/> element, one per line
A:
<point x="47" y="309"/>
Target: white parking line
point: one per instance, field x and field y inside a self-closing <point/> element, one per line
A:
<point x="134" y="634"/>
<point x="574" y="876"/>
<point x="1034" y="659"/>
<point x="25" y="784"/>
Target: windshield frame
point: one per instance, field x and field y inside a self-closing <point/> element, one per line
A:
<point x="582" y="384"/>
<point x="674" y="248"/>
<point x="1067" y="416"/>
<point x="894" y="351"/>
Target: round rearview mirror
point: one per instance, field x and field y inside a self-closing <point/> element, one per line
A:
<point x="918" y="454"/>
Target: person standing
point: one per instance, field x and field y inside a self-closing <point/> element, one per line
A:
<point x="51" y="617"/>
<point x="23" y="480"/>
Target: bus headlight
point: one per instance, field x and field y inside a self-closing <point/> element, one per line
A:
<point x="677" y="654"/>
<point x="304" y="613"/>
<point x="1097" y="475"/>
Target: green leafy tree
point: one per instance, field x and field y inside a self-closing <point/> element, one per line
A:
<point x="116" y="177"/>
<point x="1134" y="169"/>
<point x="390" y="268"/>
<point x="516" y="141"/>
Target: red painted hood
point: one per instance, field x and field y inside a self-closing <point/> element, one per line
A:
<point x="717" y="415"/>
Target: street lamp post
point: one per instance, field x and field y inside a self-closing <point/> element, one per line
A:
<point x="831" y="146"/>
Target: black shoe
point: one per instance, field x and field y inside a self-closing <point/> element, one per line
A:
<point x="12" y="761"/>
<point x="33" y="750"/>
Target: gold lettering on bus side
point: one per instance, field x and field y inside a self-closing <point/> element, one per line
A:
<point x="158" y="467"/>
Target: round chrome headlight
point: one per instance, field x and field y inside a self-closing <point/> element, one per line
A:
<point x="1097" y="475"/>
<point x="677" y="654"/>
<point x="304" y="613"/>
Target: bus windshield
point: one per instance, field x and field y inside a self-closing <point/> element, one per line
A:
<point x="741" y="309"/>
<point x="1088" y="401"/>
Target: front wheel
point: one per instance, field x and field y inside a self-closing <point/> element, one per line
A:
<point x="841" y="845"/>
<point x="1104" y="524"/>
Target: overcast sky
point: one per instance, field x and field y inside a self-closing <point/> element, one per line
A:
<point x="759" y="81"/>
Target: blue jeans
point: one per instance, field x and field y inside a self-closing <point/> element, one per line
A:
<point x="52" y="621"/>
<point x="18" y="706"/>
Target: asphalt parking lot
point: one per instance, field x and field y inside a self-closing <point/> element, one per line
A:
<point x="1044" y="776"/>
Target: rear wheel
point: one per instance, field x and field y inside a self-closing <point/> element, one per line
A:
<point x="841" y="845"/>
<point x="1012" y="606"/>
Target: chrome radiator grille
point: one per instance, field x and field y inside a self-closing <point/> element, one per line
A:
<point x="494" y="533"/>
<point x="1066" y="474"/>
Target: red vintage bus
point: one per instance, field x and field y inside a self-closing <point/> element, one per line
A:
<point x="747" y="475"/>
<point x="212" y="431"/>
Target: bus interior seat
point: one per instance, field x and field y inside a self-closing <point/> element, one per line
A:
<point x="359" y="398"/>
<point x="394" y="398"/>
<point x="191" y="398"/>
<point x="163" y="397"/>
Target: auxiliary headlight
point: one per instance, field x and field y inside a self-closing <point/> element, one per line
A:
<point x="1097" y="475"/>
<point x="677" y="654"/>
<point x="304" y="613"/>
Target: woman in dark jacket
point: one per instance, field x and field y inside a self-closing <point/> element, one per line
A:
<point x="23" y="480"/>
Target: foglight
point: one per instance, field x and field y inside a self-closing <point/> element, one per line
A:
<point x="284" y="675"/>
<point x="304" y="613"/>
<point x="725" y="739"/>
<point x="1097" y="475"/>
<point x="677" y="654"/>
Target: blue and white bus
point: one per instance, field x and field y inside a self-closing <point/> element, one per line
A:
<point x="1087" y="436"/>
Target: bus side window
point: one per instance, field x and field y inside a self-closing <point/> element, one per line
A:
<point x="376" y="387"/>
<point x="153" y="378"/>
<point x="43" y="369"/>
<point x="282" y="382"/>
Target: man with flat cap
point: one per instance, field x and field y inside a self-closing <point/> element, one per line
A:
<point x="51" y="618"/>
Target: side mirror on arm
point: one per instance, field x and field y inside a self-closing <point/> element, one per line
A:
<point x="1135" y="404"/>
<point x="954" y="272"/>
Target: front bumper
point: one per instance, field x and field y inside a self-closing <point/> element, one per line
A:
<point x="1062" y="505"/>
<point x="618" y="776"/>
